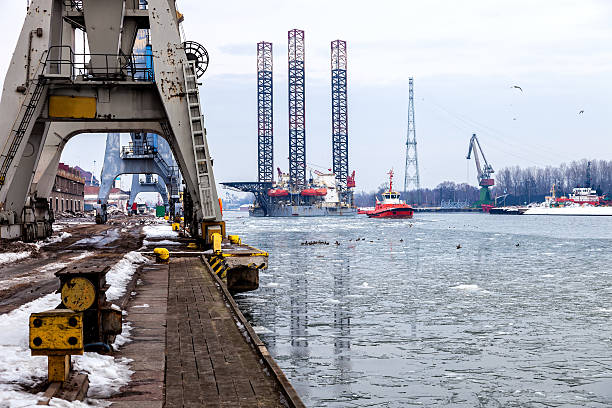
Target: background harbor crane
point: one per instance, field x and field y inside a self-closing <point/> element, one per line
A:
<point x="484" y="172"/>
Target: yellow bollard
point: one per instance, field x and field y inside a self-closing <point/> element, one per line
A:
<point x="56" y="334"/>
<point x="162" y="255"/>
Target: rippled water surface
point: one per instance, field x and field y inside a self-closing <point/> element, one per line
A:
<point x="519" y="316"/>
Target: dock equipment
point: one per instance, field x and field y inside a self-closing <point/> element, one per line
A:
<point x="485" y="180"/>
<point x="146" y="154"/>
<point x="57" y="334"/>
<point x="83" y="321"/>
<point x="83" y="288"/>
<point x="62" y="93"/>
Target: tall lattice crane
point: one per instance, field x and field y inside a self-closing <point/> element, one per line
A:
<point x="484" y="172"/>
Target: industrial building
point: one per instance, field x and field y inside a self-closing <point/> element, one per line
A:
<point x="68" y="190"/>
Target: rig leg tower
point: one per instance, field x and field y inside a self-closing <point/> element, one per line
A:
<point x="297" y="113"/>
<point x="340" y="150"/>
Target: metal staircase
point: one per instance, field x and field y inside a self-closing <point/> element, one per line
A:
<point x="30" y="105"/>
<point x="200" y="146"/>
<point x="171" y="172"/>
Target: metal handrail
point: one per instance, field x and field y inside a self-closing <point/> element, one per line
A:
<point x="78" y="4"/>
<point x="139" y="149"/>
<point x="74" y="4"/>
<point x="132" y="67"/>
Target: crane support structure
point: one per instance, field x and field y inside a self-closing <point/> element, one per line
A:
<point x="340" y="116"/>
<point x="265" y="135"/>
<point x="51" y="93"/>
<point x="297" y="113"/>
<point x="483" y="173"/>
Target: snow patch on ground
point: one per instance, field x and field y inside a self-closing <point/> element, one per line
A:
<point x="159" y="231"/>
<point x="52" y="240"/>
<point x="81" y="256"/>
<point x="44" y="272"/>
<point x="158" y="243"/>
<point x="13" y="256"/>
<point x="121" y="273"/>
<point x="99" y="240"/>
<point x="20" y="371"/>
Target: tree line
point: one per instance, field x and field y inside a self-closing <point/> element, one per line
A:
<point x="518" y="185"/>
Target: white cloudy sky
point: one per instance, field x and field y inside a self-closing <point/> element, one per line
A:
<point x="464" y="55"/>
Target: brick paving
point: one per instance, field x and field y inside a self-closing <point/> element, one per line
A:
<point x="206" y="360"/>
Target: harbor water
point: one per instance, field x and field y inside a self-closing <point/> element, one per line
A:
<point x="397" y="315"/>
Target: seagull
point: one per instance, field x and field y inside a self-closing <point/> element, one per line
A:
<point x="517" y="87"/>
<point x="517" y="244"/>
<point x="459" y="246"/>
<point x="581" y="112"/>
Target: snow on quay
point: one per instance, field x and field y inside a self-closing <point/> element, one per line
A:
<point x="10" y="257"/>
<point x="19" y="371"/>
<point x="159" y="231"/>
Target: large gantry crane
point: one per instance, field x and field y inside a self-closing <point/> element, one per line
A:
<point x="52" y="93"/>
<point x="484" y="173"/>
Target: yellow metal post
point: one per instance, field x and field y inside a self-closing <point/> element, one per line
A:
<point x="216" y="241"/>
<point x="59" y="368"/>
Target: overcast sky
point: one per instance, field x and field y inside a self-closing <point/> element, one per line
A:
<point x="465" y="56"/>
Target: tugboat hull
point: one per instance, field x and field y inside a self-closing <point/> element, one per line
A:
<point x="399" y="212"/>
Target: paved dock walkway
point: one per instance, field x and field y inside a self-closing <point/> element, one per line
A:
<point x="188" y="350"/>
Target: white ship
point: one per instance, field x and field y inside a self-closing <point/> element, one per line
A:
<point x="583" y="201"/>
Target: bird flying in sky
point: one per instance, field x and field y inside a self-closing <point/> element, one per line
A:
<point x="581" y="112"/>
<point x="517" y="87"/>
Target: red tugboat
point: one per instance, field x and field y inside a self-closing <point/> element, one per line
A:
<point x="391" y="206"/>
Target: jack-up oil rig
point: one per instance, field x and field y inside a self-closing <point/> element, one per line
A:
<point x="293" y="194"/>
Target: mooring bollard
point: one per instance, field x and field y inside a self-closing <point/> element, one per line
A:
<point x="162" y="255"/>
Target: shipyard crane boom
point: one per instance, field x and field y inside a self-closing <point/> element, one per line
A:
<point x="484" y="172"/>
